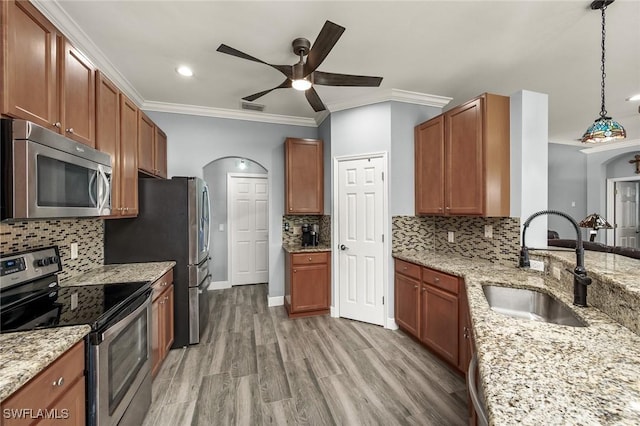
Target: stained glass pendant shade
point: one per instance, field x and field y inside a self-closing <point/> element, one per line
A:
<point x="604" y="129"/>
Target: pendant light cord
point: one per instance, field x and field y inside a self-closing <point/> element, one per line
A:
<point x="603" y="111"/>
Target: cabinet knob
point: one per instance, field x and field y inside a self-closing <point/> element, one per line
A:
<point x="161" y="302"/>
<point x="448" y="208"/>
<point x="439" y="209"/>
<point x="166" y="298"/>
<point x="436" y="279"/>
<point x="423" y="289"/>
<point x="290" y="208"/>
<point x="415" y="286"/>
<point x="310" y="259"/>
<point x="295" y="270"/>
<point x="69" y="130"/>
<point x="58" y="382"/>
<point x="57" y="124"/>
<point x="404" y="268"/>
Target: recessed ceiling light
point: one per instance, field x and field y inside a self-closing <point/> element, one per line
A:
<point x="634" y="98"/>
<point x="184" y="70"/>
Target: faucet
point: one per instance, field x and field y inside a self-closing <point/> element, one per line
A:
<point x="580" y="278"/>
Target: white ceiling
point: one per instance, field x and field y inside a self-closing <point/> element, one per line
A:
<point x="457" y="49"/>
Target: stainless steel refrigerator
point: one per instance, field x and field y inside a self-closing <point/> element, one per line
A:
<point x="172" y="224"/>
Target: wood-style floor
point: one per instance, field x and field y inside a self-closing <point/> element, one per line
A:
<point x="255" y="366"/>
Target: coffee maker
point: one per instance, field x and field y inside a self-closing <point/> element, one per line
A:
<point x="310" y="236"/>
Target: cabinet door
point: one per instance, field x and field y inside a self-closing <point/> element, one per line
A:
<point x="72" y="404"/>
<point x="439" y="322"/>
<point x="108" y="133"/>
<point x="157" y="323"/>
<point x="146" y="134"/>
<point x="464" y="159"/>
<point x="304" y="181"/>
<point x="161" y="153"/>
<point x="167" y="338"/>
<point x="29" y="69"/>
<point x="407" y="303"/>
<point x="78" y="96"/>
<point x="310" y="288"/>
<point x="128" y="157"/>
<point x="429" y="166"/>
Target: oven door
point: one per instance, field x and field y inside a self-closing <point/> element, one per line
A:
<point x="50" y="183"/>
<point x="121" y="364"/>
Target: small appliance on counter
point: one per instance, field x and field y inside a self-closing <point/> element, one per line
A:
<point x="310" y="235"/>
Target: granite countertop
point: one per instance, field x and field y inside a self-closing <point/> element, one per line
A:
<point x="297" y="248"/>
<point x="121" y="273"/>
<point x="24" y="354"/>
<point x="538" y="373"/>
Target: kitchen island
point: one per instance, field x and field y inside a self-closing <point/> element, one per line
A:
<point x="536" y="373"/>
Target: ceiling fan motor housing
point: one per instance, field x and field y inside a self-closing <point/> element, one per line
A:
<point x="301" y="46"/>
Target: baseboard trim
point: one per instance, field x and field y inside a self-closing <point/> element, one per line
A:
<point x="391" y="324"/>
<point x="275" y="301"/>
<point x="333" y="312"/>
<point x="219" y="285"/>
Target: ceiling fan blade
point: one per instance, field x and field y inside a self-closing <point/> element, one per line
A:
<point x="285" y="84"/>
<point x="284" y="69"/>
<point x="314" y="100"/>
<point x="333" y="79"/>
<point x="328" y="37"/>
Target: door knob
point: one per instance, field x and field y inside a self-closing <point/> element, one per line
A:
<point x="343" y="247"/>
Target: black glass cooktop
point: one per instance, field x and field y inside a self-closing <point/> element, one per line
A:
<point x="44" y="305"/>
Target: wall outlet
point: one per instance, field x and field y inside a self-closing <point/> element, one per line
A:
<point x="488" y="231"/>
<point x="537" y="265"/>
<point x="286" y="226"/>
<point x="450" y="237"/>
<point x="221" y="227"/>
<point x="74" y="301"/>
<point x="74" y="250"/>
<point x="556" y="272"/>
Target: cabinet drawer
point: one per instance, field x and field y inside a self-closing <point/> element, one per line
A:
<point x="309" y="258"/>
<point x="162" y="283"/>
<point x="408" y="269"/>
<point x="53" y="382"/>
<point x="438" y="279"/>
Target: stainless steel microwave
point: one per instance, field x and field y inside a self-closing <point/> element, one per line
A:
<point x="46" y="175"/>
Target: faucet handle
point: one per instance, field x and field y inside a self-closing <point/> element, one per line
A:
<point x="581" y="276"/>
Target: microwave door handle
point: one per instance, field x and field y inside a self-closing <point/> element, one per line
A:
<point x="91" y="180"/>
<point x="105" y="189"/>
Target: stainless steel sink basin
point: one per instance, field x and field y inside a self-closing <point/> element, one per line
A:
<point x="530" y="304"/>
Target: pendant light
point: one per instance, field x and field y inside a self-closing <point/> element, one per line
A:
<point x="603" y="129"/>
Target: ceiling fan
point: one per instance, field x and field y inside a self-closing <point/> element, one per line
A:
<point x="303" y="75"/>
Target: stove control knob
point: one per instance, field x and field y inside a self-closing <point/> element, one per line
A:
<point x="53" y="260"/>
<point x="42" y="262"/>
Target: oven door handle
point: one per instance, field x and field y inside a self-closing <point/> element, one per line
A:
<point x="114" y="330"/>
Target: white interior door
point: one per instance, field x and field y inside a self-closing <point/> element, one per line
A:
<point x="360" y="239"/>
<point x="248" y="201"/>
<point x="627" y="206"/>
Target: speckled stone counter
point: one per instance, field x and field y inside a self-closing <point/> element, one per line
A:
<point x="24" y="354"/>
<point x="536" y="373"/>
<point x="121" y="273"/>
<point x="297" y="248"/>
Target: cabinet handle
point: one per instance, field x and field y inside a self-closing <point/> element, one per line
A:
<point x="423" y="289"/>
<point x="436" y="279"/>
<point x="69" y="130"/>
<point x="404" y="268"/>
<point x="58" y="382"/>
<point x="466" y="332"/>
<point x="295" y="270"/>
<point x="161" y="302"/>
<point x="310" y="259"/>
<point x="439" y="209"/>
<point x="448" y="208"/>
<point x="415" y="286"/>
<point x="57" y="124"/>
<point x="166" y="298"/>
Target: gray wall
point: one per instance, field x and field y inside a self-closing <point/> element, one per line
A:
<point x="324" y="133"/>
<point x="215" y="174"/>
<point x="195" y="141"/>
<point x="567" y="185"/>
<point x="619" y="166"/>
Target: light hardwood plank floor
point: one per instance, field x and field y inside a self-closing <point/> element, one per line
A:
<point x="255" y="366"/>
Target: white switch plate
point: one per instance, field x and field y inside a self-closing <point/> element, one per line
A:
<point x="450" y="237"/>
<point x="74" y="250"/>
<point x="537" y="265"/>
<point x="556" y="272"/>
<point x="221" y="227"/>
<point x="488" y="231"/>
<point x="74" y="301"/>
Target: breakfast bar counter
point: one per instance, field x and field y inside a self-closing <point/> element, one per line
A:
<point x="121" y="273"/>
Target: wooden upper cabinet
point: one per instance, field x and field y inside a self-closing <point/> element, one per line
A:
<point x="108" y="132"/>
<point x="128" y="157"/>
<point x="78" y="95"/>
<point x="474" y="154"/>
<point x="304" y="176"/>
<point x="146" y="135"/>
<point x="429" y="166"/>
<point x="161" y="153"/>
<point x="29" y="65"/>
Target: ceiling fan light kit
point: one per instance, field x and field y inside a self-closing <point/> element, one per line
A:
<point x="603" y="129"/>
<point x="303" y="75"/>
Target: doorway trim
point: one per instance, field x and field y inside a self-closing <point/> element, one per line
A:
<point x="232" y="175"/>
<point x="335" y="234"/>
<point x="611" y="204"/>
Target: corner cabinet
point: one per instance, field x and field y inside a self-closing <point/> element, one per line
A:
<point x="161" y="320"/>
<point x="462" y="160"/>
<point x="304" y="176"/>
<point x="59" y="388"/>
<point x="307" y="283"/>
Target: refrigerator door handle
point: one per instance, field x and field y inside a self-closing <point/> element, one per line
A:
<point x="206" y="215"/>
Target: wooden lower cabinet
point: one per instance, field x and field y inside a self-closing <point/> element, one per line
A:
<point x="162" y="320"/>
<point x="439" y="322"/>
<point x="57" y="392"/>
<point x="307" y="283"/>
<point x="407" y="299"/>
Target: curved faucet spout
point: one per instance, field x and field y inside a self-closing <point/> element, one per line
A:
<point x="580" y="279"/>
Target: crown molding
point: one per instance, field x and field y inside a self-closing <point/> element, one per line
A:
<point x="52" y="10"/>
<point x="392" y="95"/>
<point x="610" y="146"/>
<point x="231" y="114"/>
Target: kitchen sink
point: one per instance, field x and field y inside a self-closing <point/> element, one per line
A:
<point x="530" y="304"/>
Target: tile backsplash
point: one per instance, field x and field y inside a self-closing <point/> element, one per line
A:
<point x="431" y="233"/>
<point x="88" y="233"/>
<point x="294" y="234"/>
